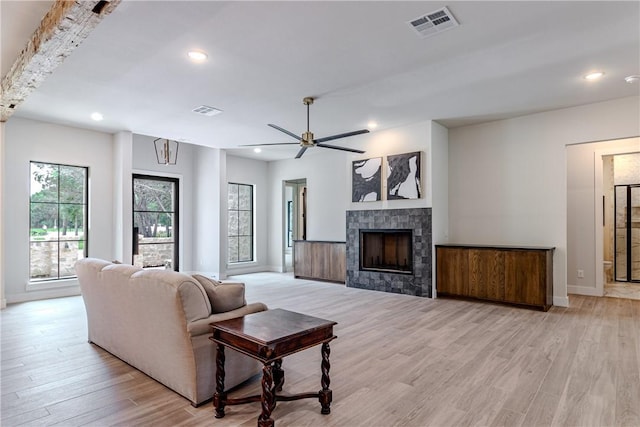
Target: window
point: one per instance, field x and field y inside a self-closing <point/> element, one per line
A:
<point x="240" y="222"/>
<point x="58" y="217"/>
<point x="155" y="222"/>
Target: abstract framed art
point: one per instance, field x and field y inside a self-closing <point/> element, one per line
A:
<point x="403" y="176"/>
<point x="366" y="180"/>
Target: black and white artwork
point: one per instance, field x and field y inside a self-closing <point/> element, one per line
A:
<point x="403" y="176"/>
<point x="366" y="180"/>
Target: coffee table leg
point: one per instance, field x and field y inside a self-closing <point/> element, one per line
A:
<point x="278" y="375"/>
<point x="268" y="400"/>
<point x="325" y="395"/>
<point x="219" y="397"/>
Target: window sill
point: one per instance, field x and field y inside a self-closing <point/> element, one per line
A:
<point x="51" y="284"/>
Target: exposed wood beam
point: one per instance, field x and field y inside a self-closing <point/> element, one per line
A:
<point x="61" y="31"/>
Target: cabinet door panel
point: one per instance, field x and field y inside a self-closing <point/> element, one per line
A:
<point x="452" y="271"/>
<point x="301" y="259"/>
<point x="524" y="278"/>
<point x="338" y="262"/>
<point x="486" y="274"/>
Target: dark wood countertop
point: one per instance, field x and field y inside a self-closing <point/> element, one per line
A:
<point x="499" y="247"/>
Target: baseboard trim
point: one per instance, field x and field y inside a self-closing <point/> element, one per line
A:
<point x="246" y="270"/>
<point x="561" y="301"/>
<point x="40" y="295"/>
<point x="584" y="290"/>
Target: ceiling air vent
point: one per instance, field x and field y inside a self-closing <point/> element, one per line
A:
<point x="205" y="110"/>
<point x="434" y="22"/>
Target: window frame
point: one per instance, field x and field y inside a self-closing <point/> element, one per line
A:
<point x="175" y="181"/>
<point x="85" y="221"/>
<point x="252" y="227"/>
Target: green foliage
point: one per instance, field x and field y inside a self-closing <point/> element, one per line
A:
<point x="38" y="232"/>
<point x="153" y="203"/>
<point x="57" y="197"/>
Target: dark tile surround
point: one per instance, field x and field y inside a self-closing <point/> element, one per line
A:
<point x="419" y="220"/>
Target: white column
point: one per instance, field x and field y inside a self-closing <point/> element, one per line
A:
<point x="3" y="301"/>
<point x="122" y="196"/>
<point x="438" y="179"/>
<point x="210" y="212"/>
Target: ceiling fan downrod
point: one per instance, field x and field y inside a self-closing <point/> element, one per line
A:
<point x="307" y="137"/>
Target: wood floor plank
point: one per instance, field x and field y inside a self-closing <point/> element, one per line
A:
<point x="398" y="361"/>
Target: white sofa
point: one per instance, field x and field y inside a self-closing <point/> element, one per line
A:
<point x="158" y="322"/>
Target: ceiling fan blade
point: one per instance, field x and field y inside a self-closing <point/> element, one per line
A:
<point x="340" y="148"/>
<point x="291" y="134"/>
<point x="342" y="135"/>
<point x="301" y="152"/>
<point x="275" y="143"/>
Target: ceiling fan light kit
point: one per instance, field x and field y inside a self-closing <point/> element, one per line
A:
<point x="307" y="139"/>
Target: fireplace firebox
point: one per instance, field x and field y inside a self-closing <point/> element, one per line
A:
<point x="386" y="250"/>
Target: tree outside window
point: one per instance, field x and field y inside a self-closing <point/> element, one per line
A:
<point x="58" y="217"/>
<point x="240" y="222"/>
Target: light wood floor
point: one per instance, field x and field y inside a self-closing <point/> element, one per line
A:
<point x="398" y="361"/>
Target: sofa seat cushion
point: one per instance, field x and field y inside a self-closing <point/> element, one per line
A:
<point x="223" y="296"/>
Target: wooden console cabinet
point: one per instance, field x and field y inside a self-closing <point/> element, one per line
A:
<point x="508" y="274"/>
<point x="320" y="260"/>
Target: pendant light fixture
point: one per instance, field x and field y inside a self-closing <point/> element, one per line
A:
<point x="166" y="151"/>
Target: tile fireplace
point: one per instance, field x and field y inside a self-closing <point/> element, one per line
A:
<point x="390" y="250"/>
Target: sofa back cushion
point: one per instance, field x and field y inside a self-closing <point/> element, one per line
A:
<point x="223" y="296"/>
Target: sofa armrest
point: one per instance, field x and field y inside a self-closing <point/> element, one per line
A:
<point x="231" y="282"/>
<point x="201" y="326"/>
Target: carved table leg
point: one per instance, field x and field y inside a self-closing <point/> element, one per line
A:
<point x="268" y="400"/>
<point x="278" y="375"/>
<point x="219" y="397"/>
<point x="325" y="394"/>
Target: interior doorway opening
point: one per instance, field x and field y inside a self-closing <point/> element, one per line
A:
<point x="294" y="218"/>
<point x="621" y="224"/>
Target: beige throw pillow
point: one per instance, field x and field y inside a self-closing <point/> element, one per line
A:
<point x="223" y="296"/>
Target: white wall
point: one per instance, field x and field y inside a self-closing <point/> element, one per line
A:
<point x="584" y="212"/>
<point x="3" y="300"/>
<point x="326" y="185"/>
<point x="254" y="172"/>
<point x="405" y="139"/>
<point x="328" y="175"/>
<point x="210" y="205"/>
<point x="507" y="179"/>
<point x="27" y="140"/>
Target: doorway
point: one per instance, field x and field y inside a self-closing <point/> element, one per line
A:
<point x="155" y="222"/>
<point x="294" y="218"/>
<point x="627" y="233"/>
<point x="620" y="223"/>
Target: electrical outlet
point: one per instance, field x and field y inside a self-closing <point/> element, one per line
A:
<point x="580" y="274"/>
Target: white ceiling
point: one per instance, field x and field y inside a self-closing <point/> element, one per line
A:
<point x="360" y="59"/>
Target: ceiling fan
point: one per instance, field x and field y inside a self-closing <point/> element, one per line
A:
<point x="307" y="140"/>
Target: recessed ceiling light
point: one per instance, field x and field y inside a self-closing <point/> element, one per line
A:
<point x="197" y="55"/>
<point x="97" y="116"/>
<point x="372" y="125"/>
<point x="632" y="79"/>
<point x="594" y="76"/>
<point x="257" y="150"/>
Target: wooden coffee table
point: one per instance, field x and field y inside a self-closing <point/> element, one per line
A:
<point x="269" y="336"/>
